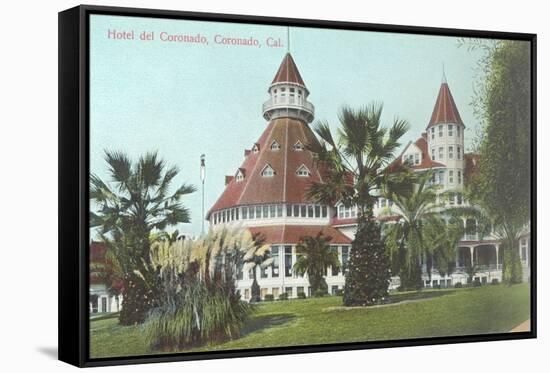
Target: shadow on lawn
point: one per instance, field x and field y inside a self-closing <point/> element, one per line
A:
<point x="266" y="322"/>
<point x="418" y="295"/>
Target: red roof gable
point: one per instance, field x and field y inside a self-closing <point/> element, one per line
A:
<point x="445" y="110"/>
<point x="288" y="72"/>
<point x="285" y="186"/>
<point x="426" y="161"/>
<point x="291" y="234"/>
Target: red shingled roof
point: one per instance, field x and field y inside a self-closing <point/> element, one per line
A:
<point x="288" y="72"/>
<point x="445" y="110"/>
<point x="291" y="234"/>
<point x="426" y="161"/>
<point x="285" y="186"/>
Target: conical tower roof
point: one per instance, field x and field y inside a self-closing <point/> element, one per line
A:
<point x="281" y="147"/>
<point x="445" y="110"/>
<point x="288" y="72"/>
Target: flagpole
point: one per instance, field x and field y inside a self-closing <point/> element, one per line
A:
<point x="203" y="177"/>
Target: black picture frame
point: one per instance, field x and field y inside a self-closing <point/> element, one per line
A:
<point x="74" y="176"/>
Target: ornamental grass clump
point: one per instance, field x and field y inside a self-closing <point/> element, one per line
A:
<point x="199" y="303"/>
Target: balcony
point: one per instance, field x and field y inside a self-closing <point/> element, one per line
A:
<point x="277" y="107"/>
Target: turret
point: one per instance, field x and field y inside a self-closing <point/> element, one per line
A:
<point x="445" y="135"/>
<point x="288" y="94"/>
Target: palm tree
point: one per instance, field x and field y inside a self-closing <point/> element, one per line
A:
<point x="314" y="256"/>
<point x="420" y="231"/>
<point x="354" y="171"/>
<point x="135" y="202"/>
<point x="258" y="256"/>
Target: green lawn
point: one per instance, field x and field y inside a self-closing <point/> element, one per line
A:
<point x="488" y="309"/>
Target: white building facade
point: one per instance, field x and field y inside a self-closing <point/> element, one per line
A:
<point x="267" y="193"/>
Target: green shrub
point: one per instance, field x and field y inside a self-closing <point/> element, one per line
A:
<point x="283" y="296"/>
<point x="339" y="292"/>
<point x="458" y="285"/>
<point x="320" y="293"/>
<point x="198" y="300"/>
<point x="301" y="295"/>
<point x="476" y="283"/>
<point x="269" y="297"/>
<point x="494" y="281"/>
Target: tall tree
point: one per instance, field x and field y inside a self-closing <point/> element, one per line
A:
<point x="135" y="202"/>
<point x="354" y="167"/>
<point x="420" y="231"/>
<point x="314" y="256"/>
<point x="502" y="187"/>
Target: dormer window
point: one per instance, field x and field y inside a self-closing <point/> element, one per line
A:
<point x="239" y="176"/>
<point x="256" y="148"/>
<point x="275" y="145"/>
<point x="303" y="171"/>
<point x="298" y="146"/>
<point x="268" y="171"/>
<point x="416" y="158"/>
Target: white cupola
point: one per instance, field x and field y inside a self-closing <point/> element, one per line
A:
<point x="288" y="95"/>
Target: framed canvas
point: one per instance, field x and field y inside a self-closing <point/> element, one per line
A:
<point x="233" y="186"/>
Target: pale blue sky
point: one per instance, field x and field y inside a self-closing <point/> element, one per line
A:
<point x="188" y="99"/>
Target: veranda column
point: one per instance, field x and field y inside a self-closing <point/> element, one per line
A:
<point x="471" y="255"/>
<point x="496" y="250"/>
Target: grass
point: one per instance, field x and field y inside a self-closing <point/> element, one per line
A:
<point x="430" y="313"/>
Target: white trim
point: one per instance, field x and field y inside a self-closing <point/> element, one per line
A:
<point x="301" y="169"/>
<point x="268" y="167"/>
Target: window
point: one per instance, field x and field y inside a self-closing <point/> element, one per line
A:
<point x="458" y="152"/>
<point x="245" y="213"/>
<point x="299" y="289"/>
<point x="433" y="133"/>
<point x="416" y="158"/>
<point x="303" y="213"/>
<point x="275" y="265"/>
<point x="288" y="291"/>
<point x="433" y="154"/>
<point x="310" y="211"/>
<point x="288" y="210"/>
<point x="459" y="177"/>
<point x="441" y="175"/>
<point x="256" y="148"/>
<point x="440" y="128"/>
<point x="345" y="257"/>
<point x="324" y="212"/>
<point x="334" y="289"/>
<point x="451" y="152"/>
<point x="275" y="292"/>
<point x="441" y="152"/>
<point x="268" y="171"/>
<point x="334" y="270"/>
<point x="265" y="210"/>
<point x="298" y="146"/>
<point x="296" y="210"/>
<point x="451" y="177"/>
<point x="302" y="171"/>
<point x="450" y="127"/>
<point x="317" y="211"/>
<point x="459" y="198"/>
<point x="258" y="212"/>
<point x="239" y="176"/>
<point x="457" y="131"/>
<point x="275" y="145"/>
<point x="279" y="211"/>
<point x="237" y="213"/>
<point x="251" y="210"/>
<point x="288" y="261"/>
<point x="246" y="293"/>
<point x="272" y="211"/>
